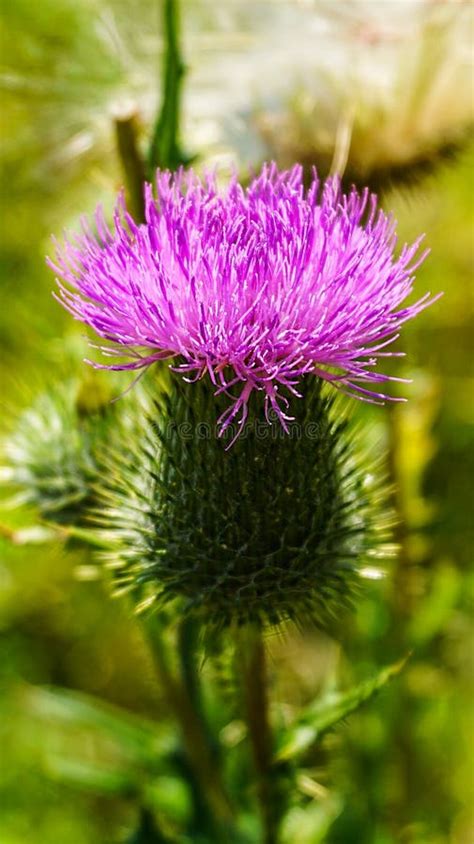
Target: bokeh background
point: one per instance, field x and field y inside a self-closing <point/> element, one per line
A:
<point x="382" y="92"/>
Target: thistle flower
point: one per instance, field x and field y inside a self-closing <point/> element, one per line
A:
<point x="53" y="454"/>
<point x="252" y="288"/>
<point x="50" y="454"/>
<point x="257" y="296"/>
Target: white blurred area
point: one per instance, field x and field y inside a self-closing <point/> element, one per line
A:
<point x="375" y="82"/>
<point x="385" y="81"/>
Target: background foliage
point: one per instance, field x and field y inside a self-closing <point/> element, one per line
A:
<point x="399" y="771"/>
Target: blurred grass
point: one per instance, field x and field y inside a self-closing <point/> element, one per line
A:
<point x="400" y="771"/>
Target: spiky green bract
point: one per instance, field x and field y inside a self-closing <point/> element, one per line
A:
<point x="53" y="453"/>
<point x="274" y="528"/>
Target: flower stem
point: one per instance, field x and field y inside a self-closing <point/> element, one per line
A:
<point x="132" y="163"/>
<point x="200" y="754"/>
<point x="165" y="149"/>
<point x="147" y="831"/>
<point x="254" y="679"/>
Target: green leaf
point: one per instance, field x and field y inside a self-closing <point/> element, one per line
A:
<point x="436" y="608"/>
<point x="97" y="778"/>
<point x="310" y="824"/>
<point x="325" y="714"/>
<point x="77" y="721"/>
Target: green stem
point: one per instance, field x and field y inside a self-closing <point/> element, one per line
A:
<point x="187" y="640"/>
<point x="147" y="831"/>
<point x="402" y="592"/>
<point x="165" y="150"/>
<point x="200" y="755"/>
<point x="254" y="679"/>
<point x="132" y="164"/>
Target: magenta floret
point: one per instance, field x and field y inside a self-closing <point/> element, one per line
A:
<point x="253" y="287"/>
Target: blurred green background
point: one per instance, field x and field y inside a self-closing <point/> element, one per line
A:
<point x="401" y="769"/>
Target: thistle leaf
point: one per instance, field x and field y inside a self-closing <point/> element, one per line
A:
<point x="325" y="714"/>
<point x="95" y="777"/>
<point x="112" y="733"/>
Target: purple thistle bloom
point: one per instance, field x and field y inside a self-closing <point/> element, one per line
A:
<point x="256" y="286"/>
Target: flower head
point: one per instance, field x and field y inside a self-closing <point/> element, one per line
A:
<point x="253" y="287"/>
